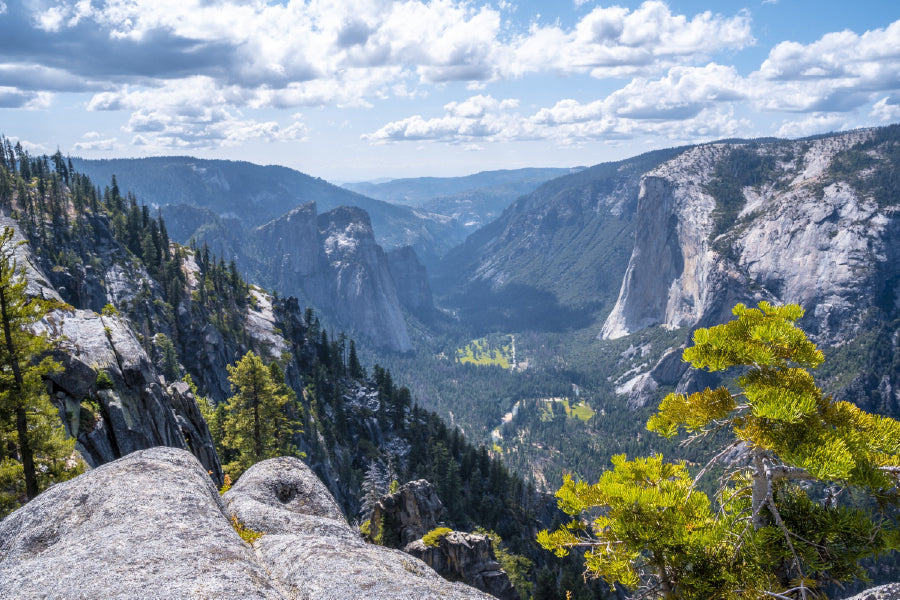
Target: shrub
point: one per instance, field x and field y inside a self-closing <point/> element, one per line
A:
<point x="433" y="537"/>
<point x="104" y="381"/>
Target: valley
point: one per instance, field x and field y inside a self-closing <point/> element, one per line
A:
<point x="541" y="343"/>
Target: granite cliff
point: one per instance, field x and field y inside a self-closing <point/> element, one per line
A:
<point x="333" y="263"/>
<point x="808" y="221"/>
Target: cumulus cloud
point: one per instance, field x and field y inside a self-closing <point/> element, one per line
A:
<point x="93" y="141"/>
<point x="887" y="109"/>
<point x="812" y="125"/>
<point x="617" y="42"/>
<point x="26" y="99"/>
<point x="837" y="73"/>
<point x="483" y="118"/>
<point x="478" y="117"/>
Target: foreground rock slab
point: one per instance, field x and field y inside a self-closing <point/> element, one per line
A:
<point x="152" y="525"/>
<point x="314" y="553"/>
<point x="149" y="525"/>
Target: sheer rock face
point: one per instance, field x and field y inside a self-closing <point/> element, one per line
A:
<point x="800" y="237"/>
<point x="410" y="512"/>
<point x="466" y="557"/>
<point x="412" y="281"/>
<point x="364" y="287"/>
<point x="151" y="525"/>
<point x="334" y="262"/>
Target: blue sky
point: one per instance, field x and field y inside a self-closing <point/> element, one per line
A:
<point x="361" y="89"/>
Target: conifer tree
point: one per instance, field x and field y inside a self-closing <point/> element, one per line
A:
<point x="34" y="450"/>
<point x="783" y="542"/>
<point x="256" y="424"/>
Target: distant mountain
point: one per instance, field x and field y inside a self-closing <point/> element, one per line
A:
<point x="417" y="191"/>
<point x="195" y="189"/>
<point x="467" y="203"/>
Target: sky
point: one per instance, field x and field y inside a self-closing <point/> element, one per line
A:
<point x="352" y="90"/>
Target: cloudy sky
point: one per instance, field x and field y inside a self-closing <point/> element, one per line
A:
<point x="359" y="89"/>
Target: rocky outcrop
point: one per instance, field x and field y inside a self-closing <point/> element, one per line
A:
<point x="312" y="551"/>
<point x="415" y="509"/>
<point x="409" y="513"/>
<point x="890" y="591"/>
<point x="467" y="557"/>
<point x="128" y="408"/>
<point x="412" y="281"/>
<point x="151" y="525"/>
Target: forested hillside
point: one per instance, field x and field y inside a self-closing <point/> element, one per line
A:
<point x="197" y="319"/>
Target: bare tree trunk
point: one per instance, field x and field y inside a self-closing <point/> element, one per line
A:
<point x="26" y="454"/>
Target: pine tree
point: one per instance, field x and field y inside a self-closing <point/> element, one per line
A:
<point x="256" y="425"/>
<point x="34" y="450"/>
<point x="357" y="371"/>
<point x="785" y="431"/>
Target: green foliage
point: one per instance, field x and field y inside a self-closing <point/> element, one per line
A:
<point x="104" y="381"/>
<point x="872" y="167"/>
<point x="433" y="537"/>
<point x="110" y="311"/>
<point x="653" y="523"/>
<point x="248" y="535"/>
<point x="168" y="356"/>
<point x="740" y="168"/>
<point x="489" y="351"/>
<point x="517" y="566"/>
<point x="34" y="449"/>
<point x="255" y="423"/>
<point x="654" y="532"/>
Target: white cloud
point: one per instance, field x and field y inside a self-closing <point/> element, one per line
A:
<point x="478" y="117"/>
<point x="616" y="42"/>
<point x="93" y="141"/>
<point x="11" y="97"/>
<point x="886" y="109"/>
<point x="194" y="113"/>
<point x="837" y="73"/>
<point x="812" y="125"/>
<point x="485" y="119"/>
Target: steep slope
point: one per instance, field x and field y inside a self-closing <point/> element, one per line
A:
<point x="555" y="258"/>
<point x="331" y="261"/>
<point x="809" y="221"/>
<point x="111" y="395"/>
